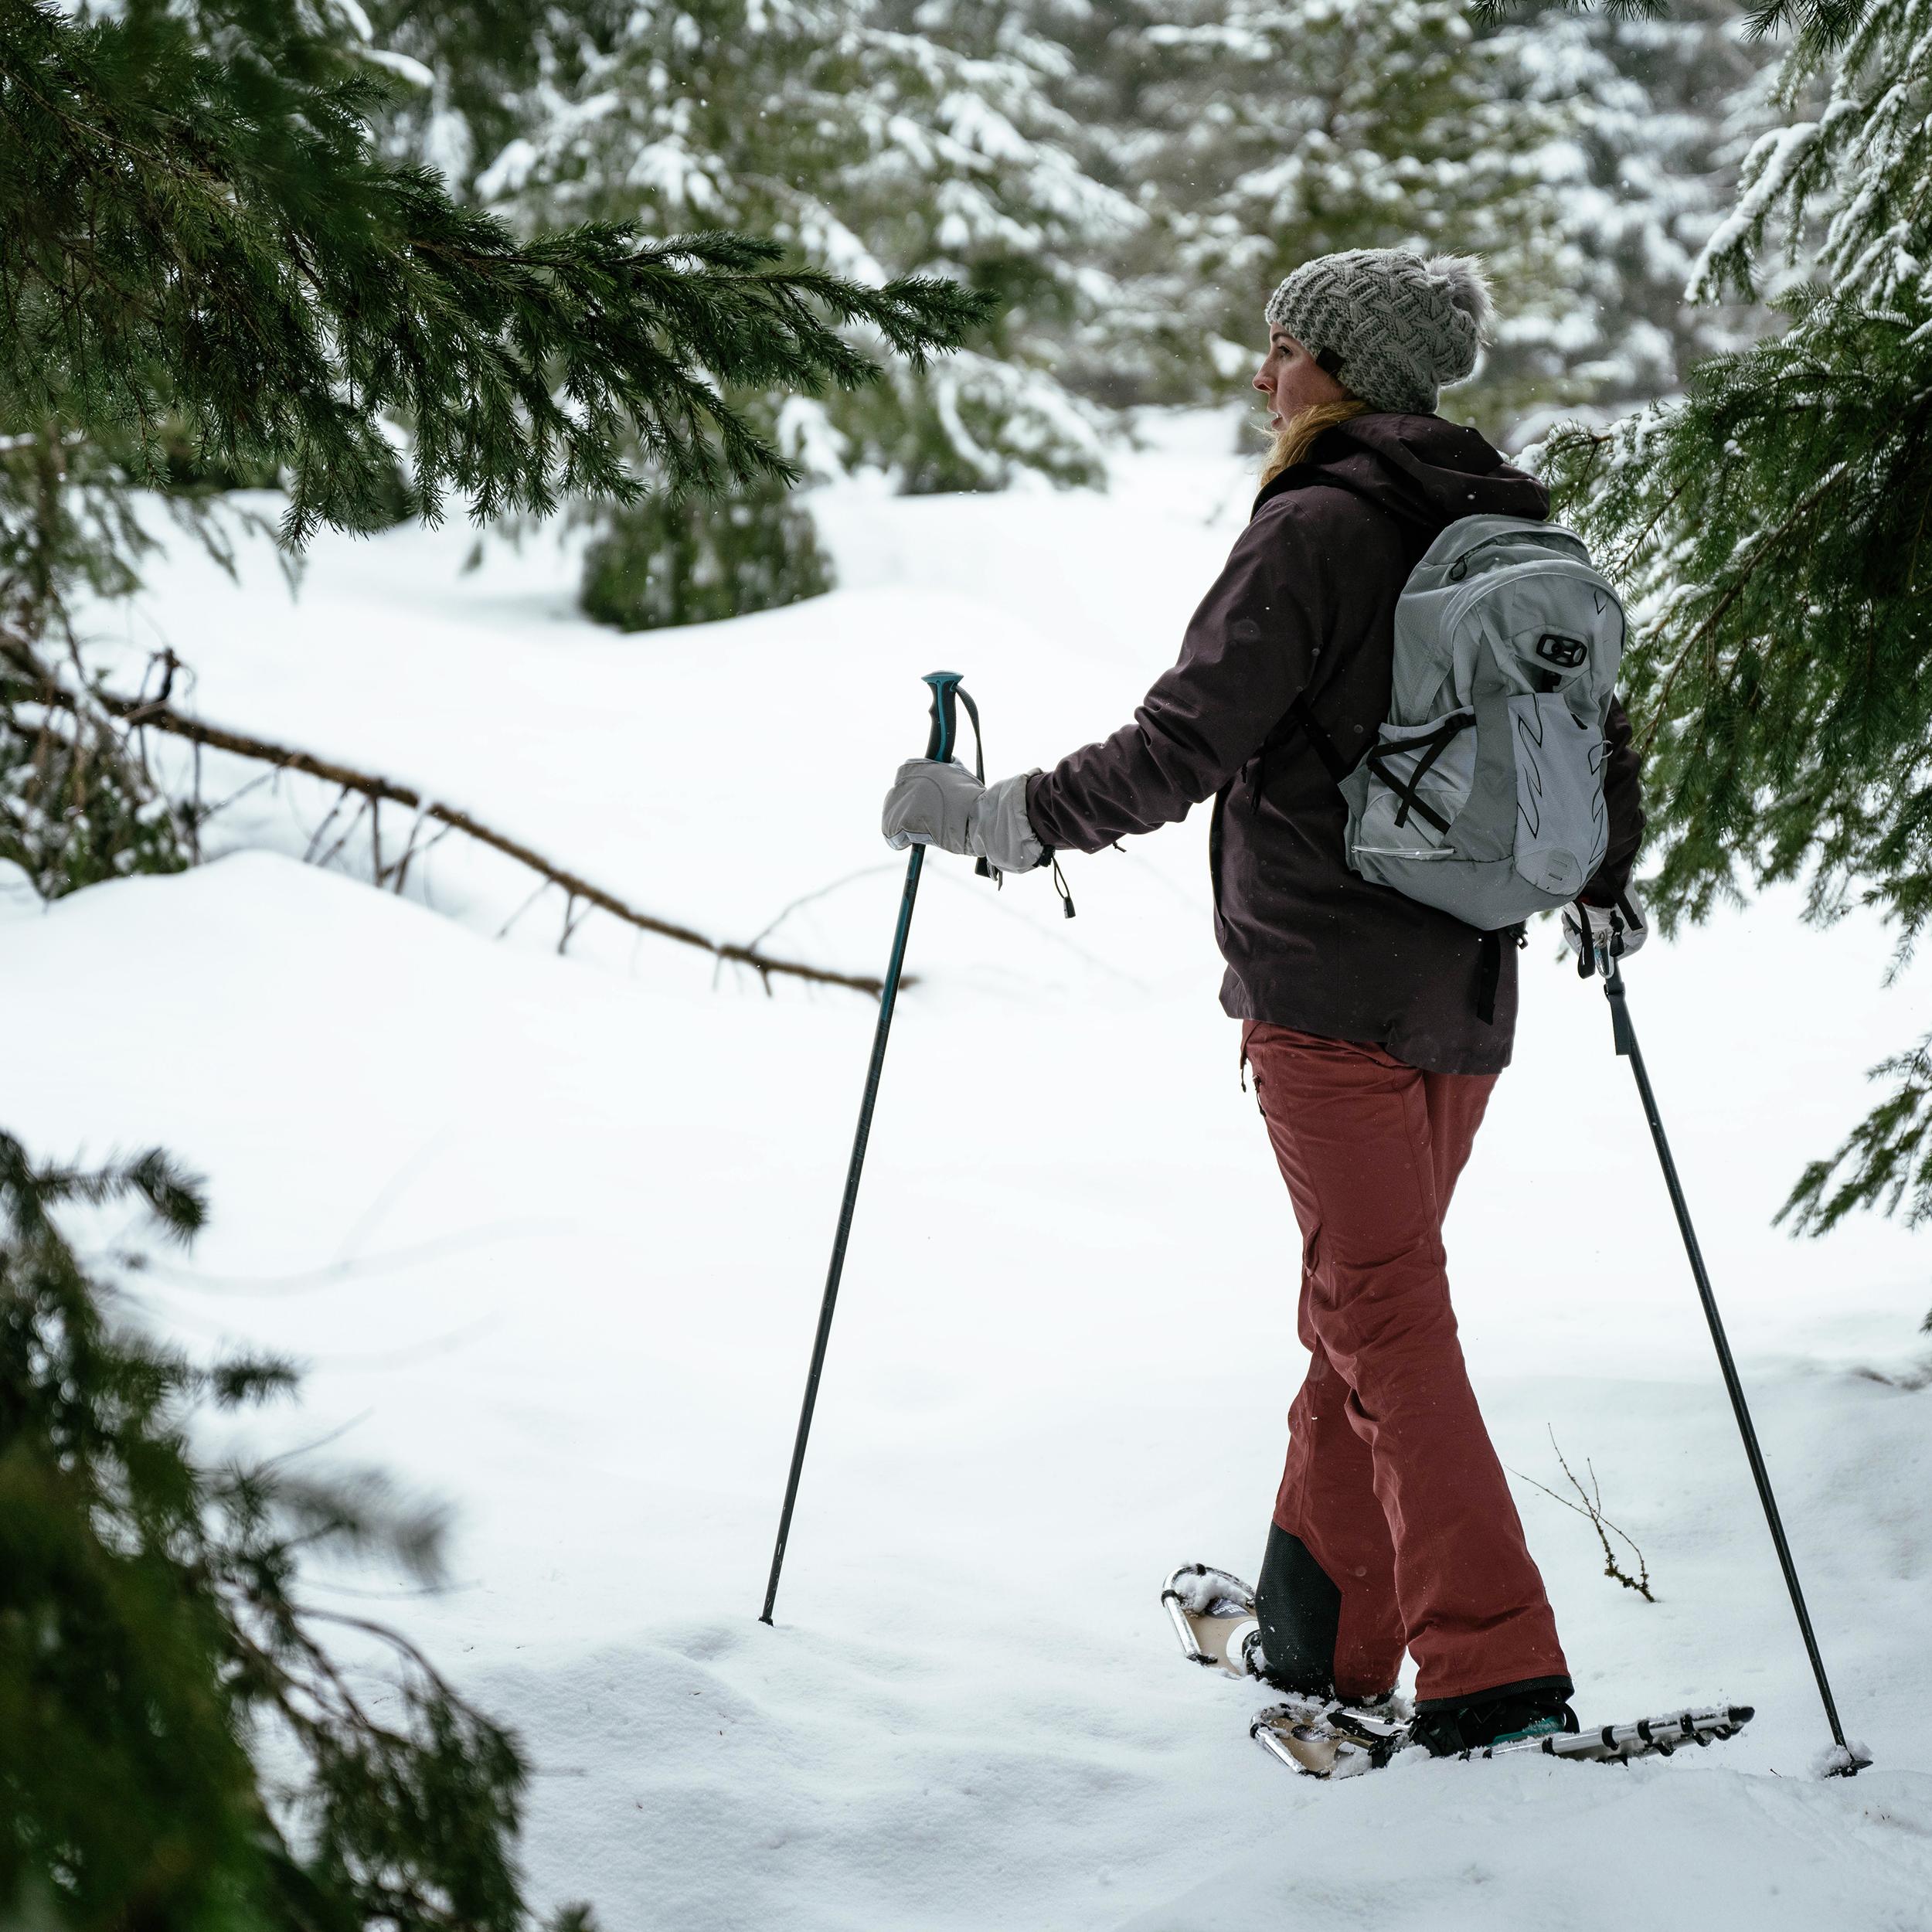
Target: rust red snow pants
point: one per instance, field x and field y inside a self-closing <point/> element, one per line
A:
<point x="1391" y="1482"/>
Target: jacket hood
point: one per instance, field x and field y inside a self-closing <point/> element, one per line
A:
<point x="1422" y="471"/>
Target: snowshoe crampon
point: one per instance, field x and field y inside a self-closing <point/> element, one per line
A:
<point x="1213" y="1616"/>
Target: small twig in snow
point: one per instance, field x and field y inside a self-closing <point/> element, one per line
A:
<point x="1592" y="1506"/>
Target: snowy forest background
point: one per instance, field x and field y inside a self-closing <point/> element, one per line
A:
<point x="846" y="312"/>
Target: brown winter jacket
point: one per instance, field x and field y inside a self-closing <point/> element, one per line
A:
<point x="1305" y="606"/>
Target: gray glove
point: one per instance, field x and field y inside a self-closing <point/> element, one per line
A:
<point x="943" y="804"/>
<point x="1000" y="832"/>
<point x="1620" y="928"/>
<point x="930" y="804"/>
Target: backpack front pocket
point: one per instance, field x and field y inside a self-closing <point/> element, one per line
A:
<point x="1419" y="778"/>
<point x="1562" y="826"/>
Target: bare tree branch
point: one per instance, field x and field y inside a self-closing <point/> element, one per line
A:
<point x="154" y="715"/>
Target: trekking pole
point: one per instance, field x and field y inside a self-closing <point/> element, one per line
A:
<point x="939" y="744"/>
<point x="1847" y="1761"/>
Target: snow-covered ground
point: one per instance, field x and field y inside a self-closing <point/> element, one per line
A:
<point x="550" y="1233"/>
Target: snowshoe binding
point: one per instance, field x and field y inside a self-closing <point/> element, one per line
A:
<point x="1325" y="1739"/>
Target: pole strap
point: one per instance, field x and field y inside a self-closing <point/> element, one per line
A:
<point x="984" y="869"/>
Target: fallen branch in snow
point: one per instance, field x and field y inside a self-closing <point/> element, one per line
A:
<point x="1592" y="1506"/>
<point x="156" y="714"/>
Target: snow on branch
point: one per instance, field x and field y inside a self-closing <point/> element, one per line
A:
<point x="374" y="790"/>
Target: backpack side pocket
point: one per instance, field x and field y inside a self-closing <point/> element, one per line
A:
<point x="1416" y="779"/>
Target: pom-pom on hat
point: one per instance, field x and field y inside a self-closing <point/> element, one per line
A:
<point x="1390" y="327"/>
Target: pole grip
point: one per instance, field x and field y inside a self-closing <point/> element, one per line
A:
<point x="945" y="730"/>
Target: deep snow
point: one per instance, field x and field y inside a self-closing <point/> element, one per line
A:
<point x="551" y="1232"/>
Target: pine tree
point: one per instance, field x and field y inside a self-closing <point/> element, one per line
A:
<point x="1259" y="133"/>
<point x="155" y="1647"/>
<point x="208" y="272"/>
<point x="1655" y="114"/>
<point x="1770" y="532"/>
<point x="868" y="137"/>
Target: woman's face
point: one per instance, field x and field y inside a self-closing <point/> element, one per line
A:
<point x="1290" y="381"/>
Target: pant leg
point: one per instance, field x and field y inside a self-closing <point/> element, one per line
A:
<point x="1369" y="1162"/>
<point x="1457" y="1104"/>
<point x="1328" y="1502"/>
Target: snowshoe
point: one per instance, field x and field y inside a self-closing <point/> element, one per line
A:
<point x="1333" y="1741"/>
<point x="1213" y="1616"/>
<point x="1644" y="1737"/>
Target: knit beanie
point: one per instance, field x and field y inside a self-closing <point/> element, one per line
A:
<point x="1389" y="327"/>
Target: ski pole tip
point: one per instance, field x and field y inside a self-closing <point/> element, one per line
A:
<point x="1843" y="1761"/>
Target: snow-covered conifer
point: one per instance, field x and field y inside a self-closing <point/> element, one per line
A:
<point x="264" y="298"/>
<point x="1258" y="133"/>
<point x="869" y="138"/>
<point x="1656" y="111"/>
<point x="1771" y="529"/>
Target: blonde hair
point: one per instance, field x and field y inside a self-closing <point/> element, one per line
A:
<point x="1296" y="436"/>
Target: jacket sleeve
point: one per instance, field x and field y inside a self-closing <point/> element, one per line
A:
<point x="1247" y="655"/>
<point x="1623" y="798"/>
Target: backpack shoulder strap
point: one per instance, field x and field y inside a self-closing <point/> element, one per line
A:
<point x="1300" y="717"/>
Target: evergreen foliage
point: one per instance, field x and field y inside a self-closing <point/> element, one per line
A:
<point x="1770" y="530"/>
<point x="1654" y="114"/>
<point x="1588" y="158"/>
<point x="154" y="1652"/>
<point x="867" y="138"/>
<point x="1258" y="133"/>
<point x="696" y="560"/>
<point x="214" y="242"/>
<point x="209" y="273"/>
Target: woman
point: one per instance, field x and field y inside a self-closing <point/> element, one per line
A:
<point x="1375" y="1027"/>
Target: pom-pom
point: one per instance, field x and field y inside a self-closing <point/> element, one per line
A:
<point x="1466" y="288"/>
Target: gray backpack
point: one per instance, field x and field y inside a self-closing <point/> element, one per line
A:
<point x="1484" y="793"/>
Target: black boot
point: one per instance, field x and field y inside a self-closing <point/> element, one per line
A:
<point x="1537" y="1709"/>
<point x="1300" y="1611"/>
